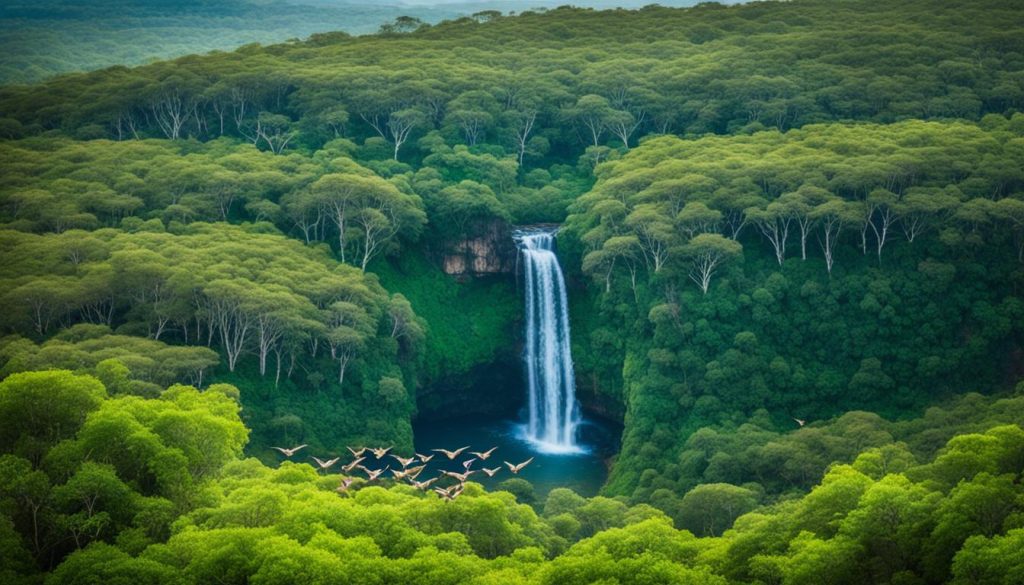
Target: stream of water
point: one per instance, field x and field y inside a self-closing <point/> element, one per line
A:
<point x="566" y="450"/>
<point x="551" y="383"/>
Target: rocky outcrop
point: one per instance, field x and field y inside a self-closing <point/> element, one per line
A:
<point x="489" y="250"/>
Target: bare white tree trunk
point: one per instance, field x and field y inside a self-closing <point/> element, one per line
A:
<point x="831" y="227"/>
<point x="776" y="231"/>
<point x="522" y="133"/>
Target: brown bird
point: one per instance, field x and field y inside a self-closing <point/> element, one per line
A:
<point x="491" y="472"/>
<point x="407" y="473"/>
<point x="414" y="472"/>
<point x="422" y="485"/>
<point x="450" y="489"/>
<point x="468" y="463"/>
<point x="345" y="483"/>
<point x="450" y="493"/>
<point x="399" y="474"/>
<point x="348" y="468"/>
<point x="325" y="464"/>
<point x="289" y="452"/>
<point x="517" y="468"/>
<point x="373" y="474"/>
<point x="357" y="452"/>
<point x="378" y="452"/>
<point x="483" y="456"/>
<point x="451" y="455"/>
<point x="424" y="458"/>
<point x="406" y="462"/>
<point x="798" y="421"/>
<point x="462" y="477"/>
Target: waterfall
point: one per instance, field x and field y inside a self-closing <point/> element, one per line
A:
<point x="553" y="410"/>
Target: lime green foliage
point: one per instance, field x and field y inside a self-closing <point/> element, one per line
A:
<point x="309" y="339"/>
<point x="776" y="459"/>
<point x="313" y="411"/>
<point x="155" y="489"/>
<point x="87" y="467"/>
<point x="849" y="292"/>
<point x="581" y="73"/>
<point x="791" y="211"/>
<point x="38" y="410"/>
<point x="328" y="197"/>
<point x="96" y="349"/>
<point x="468" y="323"/>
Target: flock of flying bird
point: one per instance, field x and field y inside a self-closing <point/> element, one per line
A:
<point x="409" y="472"/>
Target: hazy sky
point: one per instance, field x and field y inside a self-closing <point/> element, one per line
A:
<point x="602" y="3"/>
<point x="506" y="5"/>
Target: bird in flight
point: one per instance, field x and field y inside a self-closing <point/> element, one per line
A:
<point x="462" y="477"/>
<point x="491" y="472"/>
<point x="405" y="461"/>
<point x="799" y="421"/>
<point x="407" y="473"/>
<point x="357" y="452"/>
<point x="324" y="464"/>
<point x="289" y="452"/>
<point x="348" y="468"/>
<point x="468" y="463"/>
<point x="424" y="458"/>
<point x="422" y="485"/>
<point x="399" y="474"/>
<point x="345" y="483"/>
<point x="517" y="468"/>
<point x="378" y="452"/>
<point x="373" y="474"/>
<point x="451" y="455"/>
<point x="483" y="456"/>
<point x="450" y="493"/>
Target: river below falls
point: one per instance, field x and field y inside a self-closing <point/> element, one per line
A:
<point x="584" y="472"/>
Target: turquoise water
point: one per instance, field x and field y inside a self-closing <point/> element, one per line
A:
<point x="583" y="472"/>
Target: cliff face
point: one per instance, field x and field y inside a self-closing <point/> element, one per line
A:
<point x="490" y="250"/>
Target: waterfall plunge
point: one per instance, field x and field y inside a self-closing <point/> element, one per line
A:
<point x="554" y="412"/>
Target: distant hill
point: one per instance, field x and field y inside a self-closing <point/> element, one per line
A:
<point x="39" y="39"/>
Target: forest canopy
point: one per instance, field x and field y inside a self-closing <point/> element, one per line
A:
<point x="793" y="241"/>
<point x="70" y="487"/>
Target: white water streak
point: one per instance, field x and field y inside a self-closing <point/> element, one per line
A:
<point x="553" y="410"/>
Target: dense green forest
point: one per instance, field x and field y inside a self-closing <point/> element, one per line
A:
<point x="128" y="489"/>
<point x="40" y="39"/>
<point x="794" y="239"/>
<point x="43" y="38"/>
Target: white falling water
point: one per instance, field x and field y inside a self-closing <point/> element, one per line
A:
<point x="554" y="413"/>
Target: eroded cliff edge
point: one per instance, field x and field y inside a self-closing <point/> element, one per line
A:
<point x="487" y="249"/>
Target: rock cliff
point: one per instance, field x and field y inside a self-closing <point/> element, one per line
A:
<point x="489" y="250"/>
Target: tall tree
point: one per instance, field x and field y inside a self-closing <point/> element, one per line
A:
<point x="707" y="253"/>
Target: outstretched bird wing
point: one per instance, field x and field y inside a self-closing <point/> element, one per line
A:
<point x="483" y="456"/>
